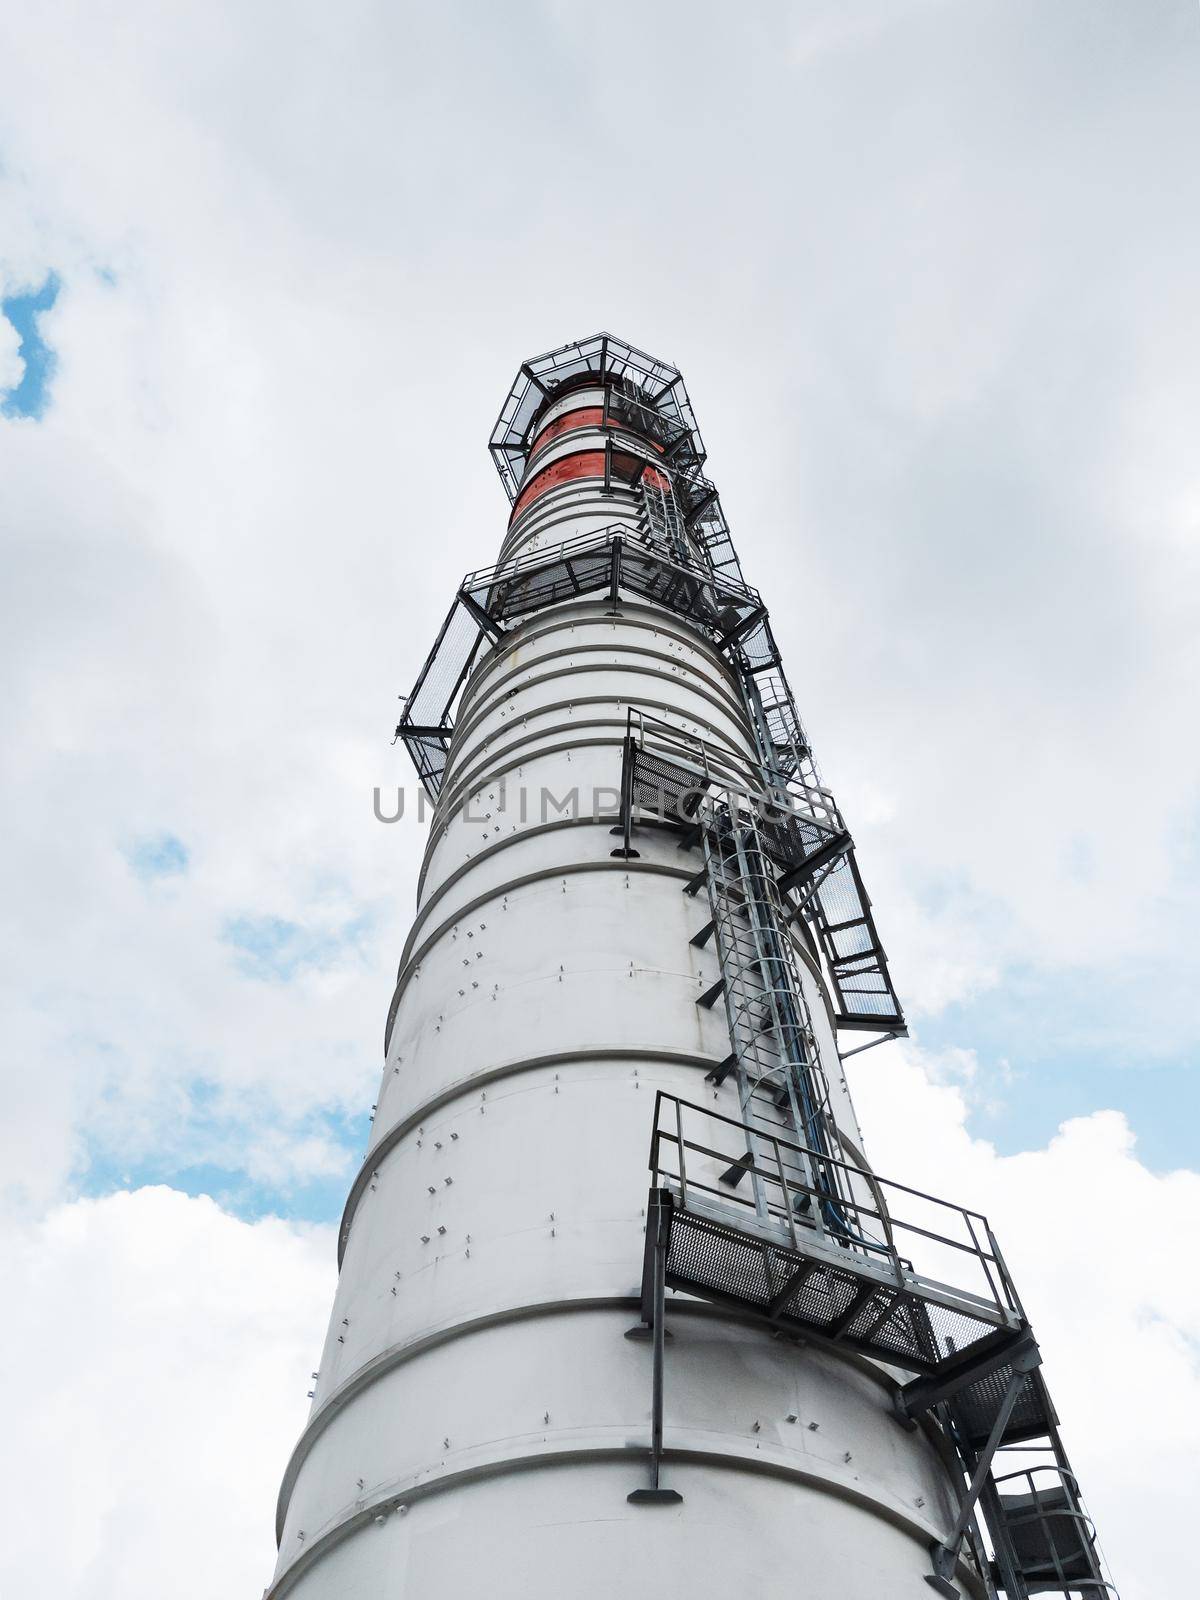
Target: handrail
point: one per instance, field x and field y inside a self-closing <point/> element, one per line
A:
<point x="892" y="1183"/>
<point x="794" y="1185"/>
<point x="583" y="543"/>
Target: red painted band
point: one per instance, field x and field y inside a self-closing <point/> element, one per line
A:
<point x="583" y="417"/>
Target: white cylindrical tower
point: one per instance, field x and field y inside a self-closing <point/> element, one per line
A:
<point x="481" y="1418"/>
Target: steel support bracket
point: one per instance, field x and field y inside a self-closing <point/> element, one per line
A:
<point x="734" y="1174"/>
<point x="694" y="885"/>
<point x="936" y="1580"/>
<point x="486" y="621"/>
<point x="922" y="1394"/>
<point x="720" y="1072"/>
<point x="710" y="996"/>
<point x="832" y="850"/>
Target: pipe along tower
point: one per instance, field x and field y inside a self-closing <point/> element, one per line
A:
<point x="759" y="1367"/>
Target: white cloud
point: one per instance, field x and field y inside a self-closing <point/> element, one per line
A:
<point x="158" y="1355"/>
<point x="277" y="1157"/>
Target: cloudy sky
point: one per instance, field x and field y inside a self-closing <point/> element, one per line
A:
<point x="931" y="272"/>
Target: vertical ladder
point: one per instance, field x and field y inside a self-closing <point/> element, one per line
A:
<point x="781" y="1084"/>
<point x="660" y="519"/>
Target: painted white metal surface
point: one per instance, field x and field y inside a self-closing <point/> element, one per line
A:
<point x="479" y="1416"/>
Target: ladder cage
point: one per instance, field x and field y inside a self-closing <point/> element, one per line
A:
<point x="1051" y="1535"/>
<point x="684" y="779"/>
<point x="770" y="1026"/>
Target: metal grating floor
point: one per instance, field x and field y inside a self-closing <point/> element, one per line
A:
<point x="976" y="1404"/>
<point x="717" y="1261"/>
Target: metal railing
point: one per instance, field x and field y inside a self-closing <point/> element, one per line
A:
<point x="738" y="779"/>
<point x="479" y="583"/>
<point x="712" y="768"/>
<point x="693" y="1147"/>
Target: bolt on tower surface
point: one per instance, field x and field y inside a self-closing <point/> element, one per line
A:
<point x="758" y="1367"/>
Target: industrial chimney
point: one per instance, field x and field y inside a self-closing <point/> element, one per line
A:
<point x="623" y="1309"/>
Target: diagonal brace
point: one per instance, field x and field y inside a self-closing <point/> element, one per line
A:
<point x="945" y="1555"/>
<point x="484" y="618"/>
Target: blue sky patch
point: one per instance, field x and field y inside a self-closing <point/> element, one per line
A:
<point x="160" y="855"/>
<point x="1050" y="1046"/>
<point x="318" y="1200"/>
<point x="273" y="949"/>
<point x="223" y="1150"/>
<point x="31" y="396"/>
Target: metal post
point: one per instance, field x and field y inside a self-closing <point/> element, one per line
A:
<point x="614" y="578"/>
<point x="659" y="1220"/>
<point x="624" y="827"/>
<point x="682" y="1161"/>
<point x="787" y="1197"/>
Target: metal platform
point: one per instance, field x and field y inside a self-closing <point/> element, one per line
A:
<point x="813" y="1244"/>
<point x="671" y="771"/>
<point x="612" y="561"/>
